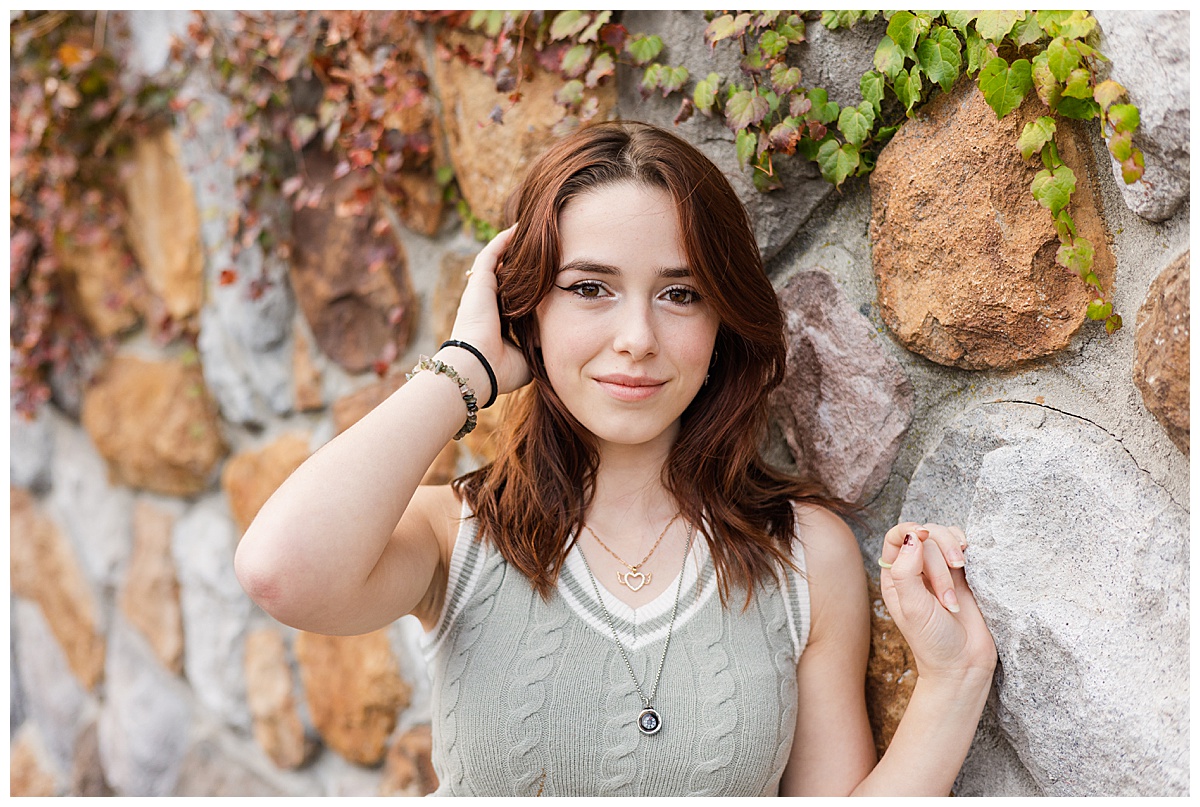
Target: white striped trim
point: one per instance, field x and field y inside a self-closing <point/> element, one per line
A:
<point x="466" y="566"/>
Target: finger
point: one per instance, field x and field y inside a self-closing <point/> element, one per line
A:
<point x="893" y="539"/>
<point x="948" y="543"/>
<point x="960" y="535"/>
<point x="905" y="582"/>
<point x="937" y="575"/>
<point x="488" y="257"/>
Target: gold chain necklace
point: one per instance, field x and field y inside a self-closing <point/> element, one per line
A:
<point x="626" y="578"/>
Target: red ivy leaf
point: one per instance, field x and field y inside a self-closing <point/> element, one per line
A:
<point x="228" y="277"/>
<point x="685" y="111"/>
<point x="614" y="35"/>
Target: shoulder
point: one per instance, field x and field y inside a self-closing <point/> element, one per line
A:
<point x="833" y="568"/>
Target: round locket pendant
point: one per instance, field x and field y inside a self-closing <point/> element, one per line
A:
<point x="648" y="721"/>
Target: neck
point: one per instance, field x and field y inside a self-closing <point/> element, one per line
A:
<point x="629" y="488"/>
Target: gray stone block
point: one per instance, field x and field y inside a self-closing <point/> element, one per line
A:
<point x="1079" y="563"/>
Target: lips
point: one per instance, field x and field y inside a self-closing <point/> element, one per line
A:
<point x="628" y="387"/>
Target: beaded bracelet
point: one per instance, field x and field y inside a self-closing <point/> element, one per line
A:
<point x="468" y="394"/>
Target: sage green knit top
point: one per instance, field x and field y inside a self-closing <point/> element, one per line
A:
<point x="532" y="697"/>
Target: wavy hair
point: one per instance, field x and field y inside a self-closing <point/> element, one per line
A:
<point x="534" y="497"/>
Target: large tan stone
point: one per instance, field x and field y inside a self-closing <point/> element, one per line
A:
<point x="408" y="769"/>
<point x="490" y="158"/>
<point x="1161" y="370"/>
<point x="277" y="725"/>
<point x="306" y="378"/>
<point x="155" y="424"/>
<point x="963" y="254"/>
<point x="891" y="672"/>
<point x="452" y="279"/>
<point x="150" y="596"/>
<point x="349" y="272"/>
<point x="250" y="477"/>
<point x="163" y="226"/>
<point x="105" y="285"/>
<point x="354" y="691"/>
<point x="43" y="569"/>
<point x="29" y="773"/>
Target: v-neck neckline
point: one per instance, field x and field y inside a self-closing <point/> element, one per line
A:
<point x="650" y="621"/>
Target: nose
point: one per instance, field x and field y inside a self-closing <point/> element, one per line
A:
<point x="635" y="331"/>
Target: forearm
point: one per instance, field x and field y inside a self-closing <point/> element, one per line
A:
<point x="323" y="531"/>
<point x="932" y="740"/>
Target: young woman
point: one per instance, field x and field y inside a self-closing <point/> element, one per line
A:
<point x="629" y="600"/>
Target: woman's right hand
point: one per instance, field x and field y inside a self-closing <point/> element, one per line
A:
<point x="478" y="321"/>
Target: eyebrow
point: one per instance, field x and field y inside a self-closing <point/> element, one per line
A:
<point x="592" y="267"/>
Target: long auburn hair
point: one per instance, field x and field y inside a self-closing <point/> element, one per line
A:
<point x="533" y="498"/>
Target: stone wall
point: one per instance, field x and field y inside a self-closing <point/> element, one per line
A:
<point x="939" y="369"/>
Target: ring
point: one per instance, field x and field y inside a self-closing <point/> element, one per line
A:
<point x="469" y="271"/>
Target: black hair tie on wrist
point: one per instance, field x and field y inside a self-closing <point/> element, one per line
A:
<point x="475" y="352"/>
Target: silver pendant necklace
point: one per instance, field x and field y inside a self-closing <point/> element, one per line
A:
<point x="648" y="720"/>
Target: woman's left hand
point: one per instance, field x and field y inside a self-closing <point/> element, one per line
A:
<point x="926" y="592"/>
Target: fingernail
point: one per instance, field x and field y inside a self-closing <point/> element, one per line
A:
<point x="883" y="564"/>
<point x="950" y="600"/>
<point x="957" y="563"/>
<point x="910" y="542"/>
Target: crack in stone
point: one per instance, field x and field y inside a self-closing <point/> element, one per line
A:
<point x="1120" y="442"/>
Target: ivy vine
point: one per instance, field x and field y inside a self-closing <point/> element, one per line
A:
<point x="1010" y="53"/>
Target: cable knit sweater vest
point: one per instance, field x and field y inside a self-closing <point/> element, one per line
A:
<point x="532" y="697"/>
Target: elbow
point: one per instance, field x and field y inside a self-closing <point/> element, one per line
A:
<point x="260" y="578"/>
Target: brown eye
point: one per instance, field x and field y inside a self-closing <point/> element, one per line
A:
<point x="681" y="296"/>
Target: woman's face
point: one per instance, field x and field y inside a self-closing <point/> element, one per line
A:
<point x="625" y="336"/>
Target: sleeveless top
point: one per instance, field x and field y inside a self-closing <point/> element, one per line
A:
<point x="531" y="696"/>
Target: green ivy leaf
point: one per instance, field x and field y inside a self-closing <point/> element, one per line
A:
<point x="976" y="51"/>
<point x="726" y="26"/>
<point x="1053" y="190"/>
<point x="568" y="23"/>
<point x="745" y="109"/>
<point x="570" y="93"/>
<point x="1107" y="93"/>
<point x="904" y="27"/>
<point x="843" y="19"/>
<point x="837" y="161"/>
<point x="772" y="44"/>
<point x="593" y="30"/>
<point x="1004" y="86"/>
<point x="1063" y="57"/>
<point x="1051" y="21"/>
<point x="575" y="60"/>
<point x="602" y="66"/>
<point x="673" y="79"/>
<point x="823" y="110"/>
<point x="644" y="48"/>
<point x="855" y="122"/>
<point x="1124" y="117"/>
<point x="792" y="30"/>
<point x="1120" y="146"/>
<point x="1098" y="309"/>
<point x="1035" y="135"/>
<point x="1132" y="168"/>
<point x="1027" y="31"/>
<point x="1079" y="84"/>
<point x="705" y="94"/>
<point x="871" y="86"/>
<point x="940" y="57"/>
<point x="1078" y="25"/>
<point x="1065" y="226"/>
<point x="889" y="58"/>
<point x="1078" y="108"/>
<point x="1077" y="257"/>
<point x="1113" y="323"/>
<point x="908" y="88"/>
<point x="784" y="78"/>
<point x="746" y="143"/>
<point x="1047" y="86"/>
<point x="651" y="79"/>
<point x="1049" y="155"/>
<point x="995" y="25"/>
<point x="960" y="19"/>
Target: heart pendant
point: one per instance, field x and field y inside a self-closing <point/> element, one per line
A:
<point x="626" y="579"/>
